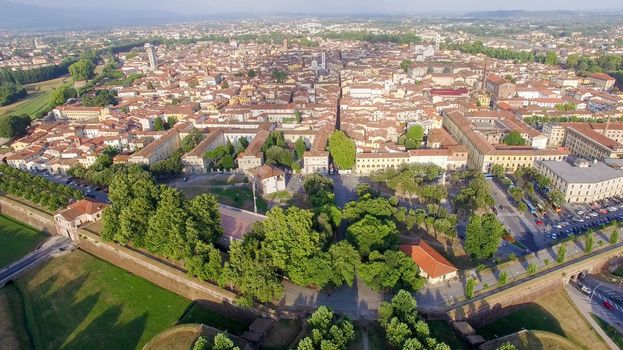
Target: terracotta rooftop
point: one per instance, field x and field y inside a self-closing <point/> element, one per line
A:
<point x="82" y="207"/>
<point x="428" y="259"/>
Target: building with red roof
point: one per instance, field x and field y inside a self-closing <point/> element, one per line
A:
<point x="68" y="220"/>
<point x="433" y="266"/>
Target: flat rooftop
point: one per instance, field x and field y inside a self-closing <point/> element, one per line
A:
<point x="596" y="172"/>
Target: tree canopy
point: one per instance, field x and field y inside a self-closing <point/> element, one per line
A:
<point x="514" y="138"/>
<point x="342" y="150"/>
<point x="14" y="125"/>
<point x="483" y="235"/>
<point x="84" y="69"/>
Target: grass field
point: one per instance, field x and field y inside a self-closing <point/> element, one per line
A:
<point x="37" y="98"/>
<point x="553" y="313"/>
<point x="282" y="335"/>
<point x="616" y="337"/>
<point x="13" y="331"/>
<point x="80" y="302"/>
<point x="239" y="196"/>
<point x="16" y="240"/>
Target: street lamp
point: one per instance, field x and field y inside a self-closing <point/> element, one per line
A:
<point x="593" y="293"/>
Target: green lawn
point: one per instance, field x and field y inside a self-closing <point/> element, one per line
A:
<point x="612" y="333"/>
<point x="532" y="317"/>
<point x="16" y="240"/>
<point x="239" y="197"/>
<point x="199" y="314"/>
<point x="80" y="302"/>
<point x="33" y="104"/>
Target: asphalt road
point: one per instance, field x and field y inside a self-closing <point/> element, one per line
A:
<point x="51" y="246"/>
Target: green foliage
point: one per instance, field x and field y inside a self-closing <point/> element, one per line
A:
<point x="36" y="189"/>
<point x="345" y="260"/>
<point x="390" y="270"/>
<point x="35" y="75"/>
<point x="190" y="141"/>
<point x="14" y="126"/>
<point x="327" y="331"/>
<point x="517" y="194"/>
<point x="201" y="344"/>
<point x="167" y="167"/>
<point x="250" y="271"/>
<point x="279" y="75"/>
<point x="221" y="157"/>
<point x="251" y="73"/>
<point x="319" y="189"/>
<point x="102" y="98"/>
<point x="414" y="136"/>
<point x="532" y="268"/>
<point x="470" y="285"/>
<point x="404" y="65"/>
<point x="300" y="147"/>
<point x="342" y="150"/>
<point x="589" y="242"/>
<point x="503" y="278"/>
<point x="514" y="139"/>
<point x="560" y="255"/>
<point x="222" y="342"/>
<point x="160" y="219"/>
<point x="399" y="38"/>
<point x="371" y="233"/>
<point x="497" y="170"/>
<point x="413" y="179"/>
<point x="62" y="94"/>
<point x="483" y="236"/>
<point x="404" y="327"/>
<point x="477" y="47"/>
<point x="556" y="197"/>
<point x="507" y="346"/>
<point x="475" y="195"/>
<point x="614" y="237"/>
<point x="10" y="93"/>
<point x="84" y="69"/>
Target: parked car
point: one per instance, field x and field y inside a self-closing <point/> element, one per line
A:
<point x="539" y="222"/>
<point x="581" y="212"/>
<point x="554" y="236"/>
<point x="586" y="290"/>
<point x="608" y="305"/>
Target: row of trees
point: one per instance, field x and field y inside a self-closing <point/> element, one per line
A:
<point x="220" y="342"/>
<point x="277" y="152"/>
<point x="83" y="69"/>
<point x="413" y="180"/>
<point x="10" y="93"/>
<point x="159" y="219"/>
<point x="404" y="327"/>
<point x="478" y="47"/>
<point x="400" y="38"/>
<point x="483" y="235"/>
<point x="102" y="98"/>
<point x="36" y="189"/>
<point x="327" y="331"/>
<point x="35" y="75"/>
<point x="14" y="125"/>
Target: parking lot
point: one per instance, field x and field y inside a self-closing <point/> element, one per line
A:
<point x="89" y="191"/>
<point x="577" y="219"/>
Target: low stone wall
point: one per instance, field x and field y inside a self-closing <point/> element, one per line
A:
<point x="22" y="211"/>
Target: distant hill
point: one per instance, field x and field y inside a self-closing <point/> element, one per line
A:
<point x="26" y="16"/>
<point x="519" y="13"/>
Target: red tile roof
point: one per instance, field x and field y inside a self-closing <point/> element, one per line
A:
<point x="428" y="259"/>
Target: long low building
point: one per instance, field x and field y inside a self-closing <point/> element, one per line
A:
<point x="583" y="181"/>
<point x="483" y="154"/>
<point x="452" y="158"/>
<point x="194" y="161"/>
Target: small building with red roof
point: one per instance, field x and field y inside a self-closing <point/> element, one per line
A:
<point x="68" y="220"/>
<point x="433" y="266"/>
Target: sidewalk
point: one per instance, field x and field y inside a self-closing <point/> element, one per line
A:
<point x="451" y="292"/>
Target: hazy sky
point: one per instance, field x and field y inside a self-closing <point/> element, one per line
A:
<point x="332" y="6"/>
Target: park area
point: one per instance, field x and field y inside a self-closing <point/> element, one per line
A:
<point x="16" y="240"/>
<point x="78" y="301"/>
<point x="37" y="99"/>
<point x="553" y="313"/>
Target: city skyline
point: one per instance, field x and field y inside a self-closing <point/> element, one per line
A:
<point x="199" y="7"/>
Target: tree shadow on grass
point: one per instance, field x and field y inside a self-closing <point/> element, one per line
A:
<point x="528" y="316"/>
<point x="107" y="331"/>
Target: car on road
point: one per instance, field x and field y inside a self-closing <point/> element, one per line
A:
<point x="608" y="305"/>
<point x="558" y="226"/>
<point x="602" y="211"/>
<point x="578" y="219"/>
<point x="586" y="290"/>
<point x="593" y="214"/>
<point x="581" y="212"/>
<point x="554" y="236"/>
<point x="539" y="222"/>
